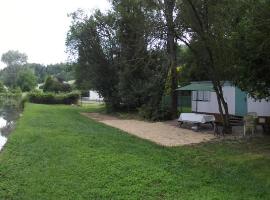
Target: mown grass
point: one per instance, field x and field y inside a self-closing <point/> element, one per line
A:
<point x="55" y="153"/>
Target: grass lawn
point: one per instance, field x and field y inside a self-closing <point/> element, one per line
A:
<point x="55" y="153"/>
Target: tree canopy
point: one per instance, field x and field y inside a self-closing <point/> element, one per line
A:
<point x="12" y="58"/>
<point x="19" y="73"/>
<point x="26" y="80"/>
<point x="114" y="54"/>
<point x="252" y="48"/>
<point x="139" y="50"/>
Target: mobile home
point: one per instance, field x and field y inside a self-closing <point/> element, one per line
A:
<point x="204" y="100"/>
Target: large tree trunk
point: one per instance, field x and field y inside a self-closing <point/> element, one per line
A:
<point x="171" y="50"/>
<point x="223" y="107"/>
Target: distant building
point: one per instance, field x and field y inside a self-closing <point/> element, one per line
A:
<point x="94" y="96"/>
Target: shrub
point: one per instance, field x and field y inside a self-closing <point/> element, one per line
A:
<point x="159" y="113"/>
<point x="16" y="90"/>
<point x="11" y="99"/>
<point x="54" y="85"/>
<point x="2" y="87"/>
<point x="52" y="98"/>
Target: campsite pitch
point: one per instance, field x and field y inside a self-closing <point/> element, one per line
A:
<point x="162" y="133"/>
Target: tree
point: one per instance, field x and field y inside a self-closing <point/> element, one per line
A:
<point x="207" y="28"/>
<point x="26" y="80"/>
<point x="252" y="48"/>
<point x="9" y="75"/>
<point x="119" y="54"/>
<point x="53" y="84"/>
<point x="137" y="65"/>
<point x="188" y="67"/>
<point x="12" y="58"/>
<point x="93" y="40"/>
<point x="171" y="50"/>
<point x="63" y="71"/>
<point x="38" y="69"/>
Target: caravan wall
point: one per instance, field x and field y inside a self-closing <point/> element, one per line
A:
<point x="211" y="106"/>
<point x="261" y="107"/>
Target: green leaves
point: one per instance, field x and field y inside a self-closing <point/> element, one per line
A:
<point x="26" y="80"/>
<point x="14" y="58"/>
<point x="114" y="54"/>
<point x="253" y="49"/>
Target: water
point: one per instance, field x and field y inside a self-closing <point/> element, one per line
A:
<point x="3" y="139"/>
<point x="9" y="113"/>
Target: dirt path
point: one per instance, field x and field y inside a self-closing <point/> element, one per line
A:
<point x="163" y="133"/>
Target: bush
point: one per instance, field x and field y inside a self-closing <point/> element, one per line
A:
<point x="2" y="87"/>
<point x="160" y="113"/>
<point x="11" y="99"/>
<point x="52" y="98"/>
<point x="54" y="85"/>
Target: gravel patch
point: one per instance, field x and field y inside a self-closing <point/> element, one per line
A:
<point x="162" y="133"/>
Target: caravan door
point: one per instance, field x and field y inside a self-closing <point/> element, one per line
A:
<point x="240" y="102"/>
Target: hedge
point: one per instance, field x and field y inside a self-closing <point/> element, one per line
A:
<point x="52" y="98"/>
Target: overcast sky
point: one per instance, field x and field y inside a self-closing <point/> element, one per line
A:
<point x="38" y="27"/>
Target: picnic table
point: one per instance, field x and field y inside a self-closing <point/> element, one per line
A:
<point x="196" y="119"/>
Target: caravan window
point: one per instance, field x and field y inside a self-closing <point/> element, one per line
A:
<point x="206" y="95"/>
<point x="194" y="95"/>
<point x="201" y="96"/>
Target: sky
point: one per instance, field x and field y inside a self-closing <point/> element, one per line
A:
<point x="39" y="27"/>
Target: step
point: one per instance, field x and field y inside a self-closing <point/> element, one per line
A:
<point x="236" y="120"/>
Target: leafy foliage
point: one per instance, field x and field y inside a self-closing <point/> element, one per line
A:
<point x="252" y="48"/>
<point x="52" y="84"/>
<point x="62" y="71"/>
<point x="2" y="87"/>
<point x="95" y="68"/>
<point x="9" y="75"/>
<point x="207" y="28"/>
<point x="26" y="80"/>
<point x="52" y="98"/>
<point x="130" y="54"/>
<point x="12" y="58"/>
<point x="113" y="54"/>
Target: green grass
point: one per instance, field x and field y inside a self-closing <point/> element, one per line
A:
<point x="55" y="153"/>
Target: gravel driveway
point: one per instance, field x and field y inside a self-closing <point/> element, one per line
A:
<point x="162" y="133"/>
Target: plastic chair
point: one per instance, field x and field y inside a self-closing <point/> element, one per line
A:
<point x="250" y="122"/>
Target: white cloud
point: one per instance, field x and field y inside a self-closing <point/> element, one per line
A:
<point x="38" y="27"/>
